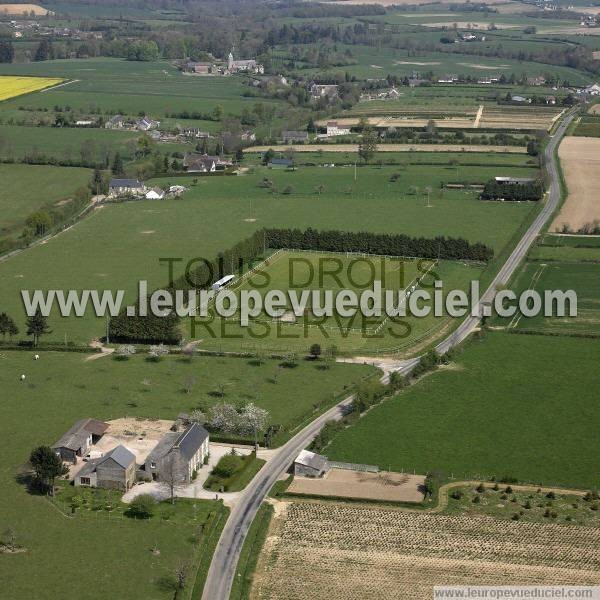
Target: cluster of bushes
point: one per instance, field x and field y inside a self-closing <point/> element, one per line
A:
<point x="495" y="190"/>
<point x="377" y="243"/>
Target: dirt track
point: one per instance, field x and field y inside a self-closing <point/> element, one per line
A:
<point x="395" y="148"/>
<point x="580" y="160"/>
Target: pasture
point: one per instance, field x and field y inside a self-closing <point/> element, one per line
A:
<point x="510" y="406"/>
<point x="583" y="279"/>
<point x="123" y="243"/>
<point x="301" y="272"/>
<point x="323" y="549"/>
<point x="567" y="248"/>
<point x="11" y="87"/>
<point x="61" y="388"/>
<point x="132" y="88"/>
<point x="68" y="143"/>
<point x="27" y="188"/>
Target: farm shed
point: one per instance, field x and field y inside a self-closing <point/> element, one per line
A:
<point x="115" y="470"/>
<point x="309" y="464"/>
<point x="77" y="440"/>
<point x="187" y="449"/>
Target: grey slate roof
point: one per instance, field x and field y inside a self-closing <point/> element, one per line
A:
<point x="77" y="435"/>
<point x="188" y="443"/>
<point x="121" y="455"/>
<point x="125" y="183"/>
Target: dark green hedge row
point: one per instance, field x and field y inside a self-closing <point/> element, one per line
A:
<point x="378" y="243"/>
<point x="513" y="191"/>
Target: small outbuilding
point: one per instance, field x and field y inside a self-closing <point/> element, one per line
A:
<point x="155" y="194"/>
<point x="309" y="464"/>
<point x="115" y="470"/>
<point x="78" y="440"/>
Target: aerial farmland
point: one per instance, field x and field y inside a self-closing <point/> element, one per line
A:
<point x="298" y="299"/>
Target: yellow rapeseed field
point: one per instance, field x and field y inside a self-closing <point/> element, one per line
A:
<point x="16" y="86"/>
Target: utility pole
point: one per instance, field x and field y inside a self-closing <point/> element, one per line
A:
<point x="107" y="325"/>
<point x="355" y="173"/>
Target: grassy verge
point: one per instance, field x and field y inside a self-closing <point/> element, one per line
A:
<point x="234" y="473"/>
<point x="257" y="534"/>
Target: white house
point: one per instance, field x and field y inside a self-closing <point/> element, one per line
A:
<point x="119" y="187"/>
<point x="334" y="129"/>
<point x="155" y="194"/>
<point x="593" y="90"/>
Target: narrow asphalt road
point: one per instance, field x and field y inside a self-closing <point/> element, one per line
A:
<point x="223" y="567"/>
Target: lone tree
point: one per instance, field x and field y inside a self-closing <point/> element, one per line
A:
<point x="142" y="507"/>
<point x="7" y="325"/>
<point x="172" y="474"/>
<point x="117" y="166"/>
<point x="37" y="326"/>
<point x="315" y="351"/>
<point x="47" y="466"/>
<point x="368" y="145"/>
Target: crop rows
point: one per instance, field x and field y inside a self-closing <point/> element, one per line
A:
<point x="348" y="552"/>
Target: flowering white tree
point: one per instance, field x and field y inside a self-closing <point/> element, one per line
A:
<point x="252" y="419"/>
<point x="157" y="352"/>
<point x="197" y="416"/>
<point x="224" y="417"/>
<point x="124" y="352"/>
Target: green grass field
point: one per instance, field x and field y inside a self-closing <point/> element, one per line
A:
<point x="61" y="388"/>
<point x="568" y="248"/>
<point x="512" y="405"/>
<point x="122" y="244"/>
<point x="588" y="126"/>
<point x="314" y="272"/>
<point x="583" y="278"/>
<point x="132" y="88"/>
<point x="27" y="188"/>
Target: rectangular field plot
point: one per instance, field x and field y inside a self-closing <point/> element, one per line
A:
<point x="325" y="550"/>
<point x="11" y="87"/>
<point x="333" y="272"/>
<point x="305" y="272"/>
<point x="583" y="279"/>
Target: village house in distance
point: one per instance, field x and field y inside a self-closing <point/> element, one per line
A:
<point x="249" y="66"/>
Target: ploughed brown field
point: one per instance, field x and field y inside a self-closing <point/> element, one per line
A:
<point x="580" y="161"/>
<point x="318" y="551"/>
<point x="19" y="9"/>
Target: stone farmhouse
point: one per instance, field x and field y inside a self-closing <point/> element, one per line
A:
<point x="294" y="137"/>
<point x="183" y="451"/>
<point x="126" y="187"/>
<point x="115" y="470"/>
<point x="184" y="448"/>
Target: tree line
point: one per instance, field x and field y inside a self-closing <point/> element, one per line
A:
<point x="377" y="243"/>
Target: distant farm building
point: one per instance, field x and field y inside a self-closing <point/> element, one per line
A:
<point x="78" y="440"/>
<point x="221" y="283"/>
<point x="281" y="163"/>
<point x="324" y="91"/>
<point x="309" y="464"/>
<point x="122" y="187"/>
<point x="203" y="163"/>
<point x="243" y="66"/>
<point x="155" y="194"/>
<point x="334" y="129"/>
<point x="294" y="137"/>
<point x="514" y="180"/>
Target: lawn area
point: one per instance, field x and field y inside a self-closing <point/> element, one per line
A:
<point x="123" y="243"/>
<point x="233" y="473"/>
<point x="512" y="405"/>
<point x="61" y="388"/>
<point x="27" y="188"/>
